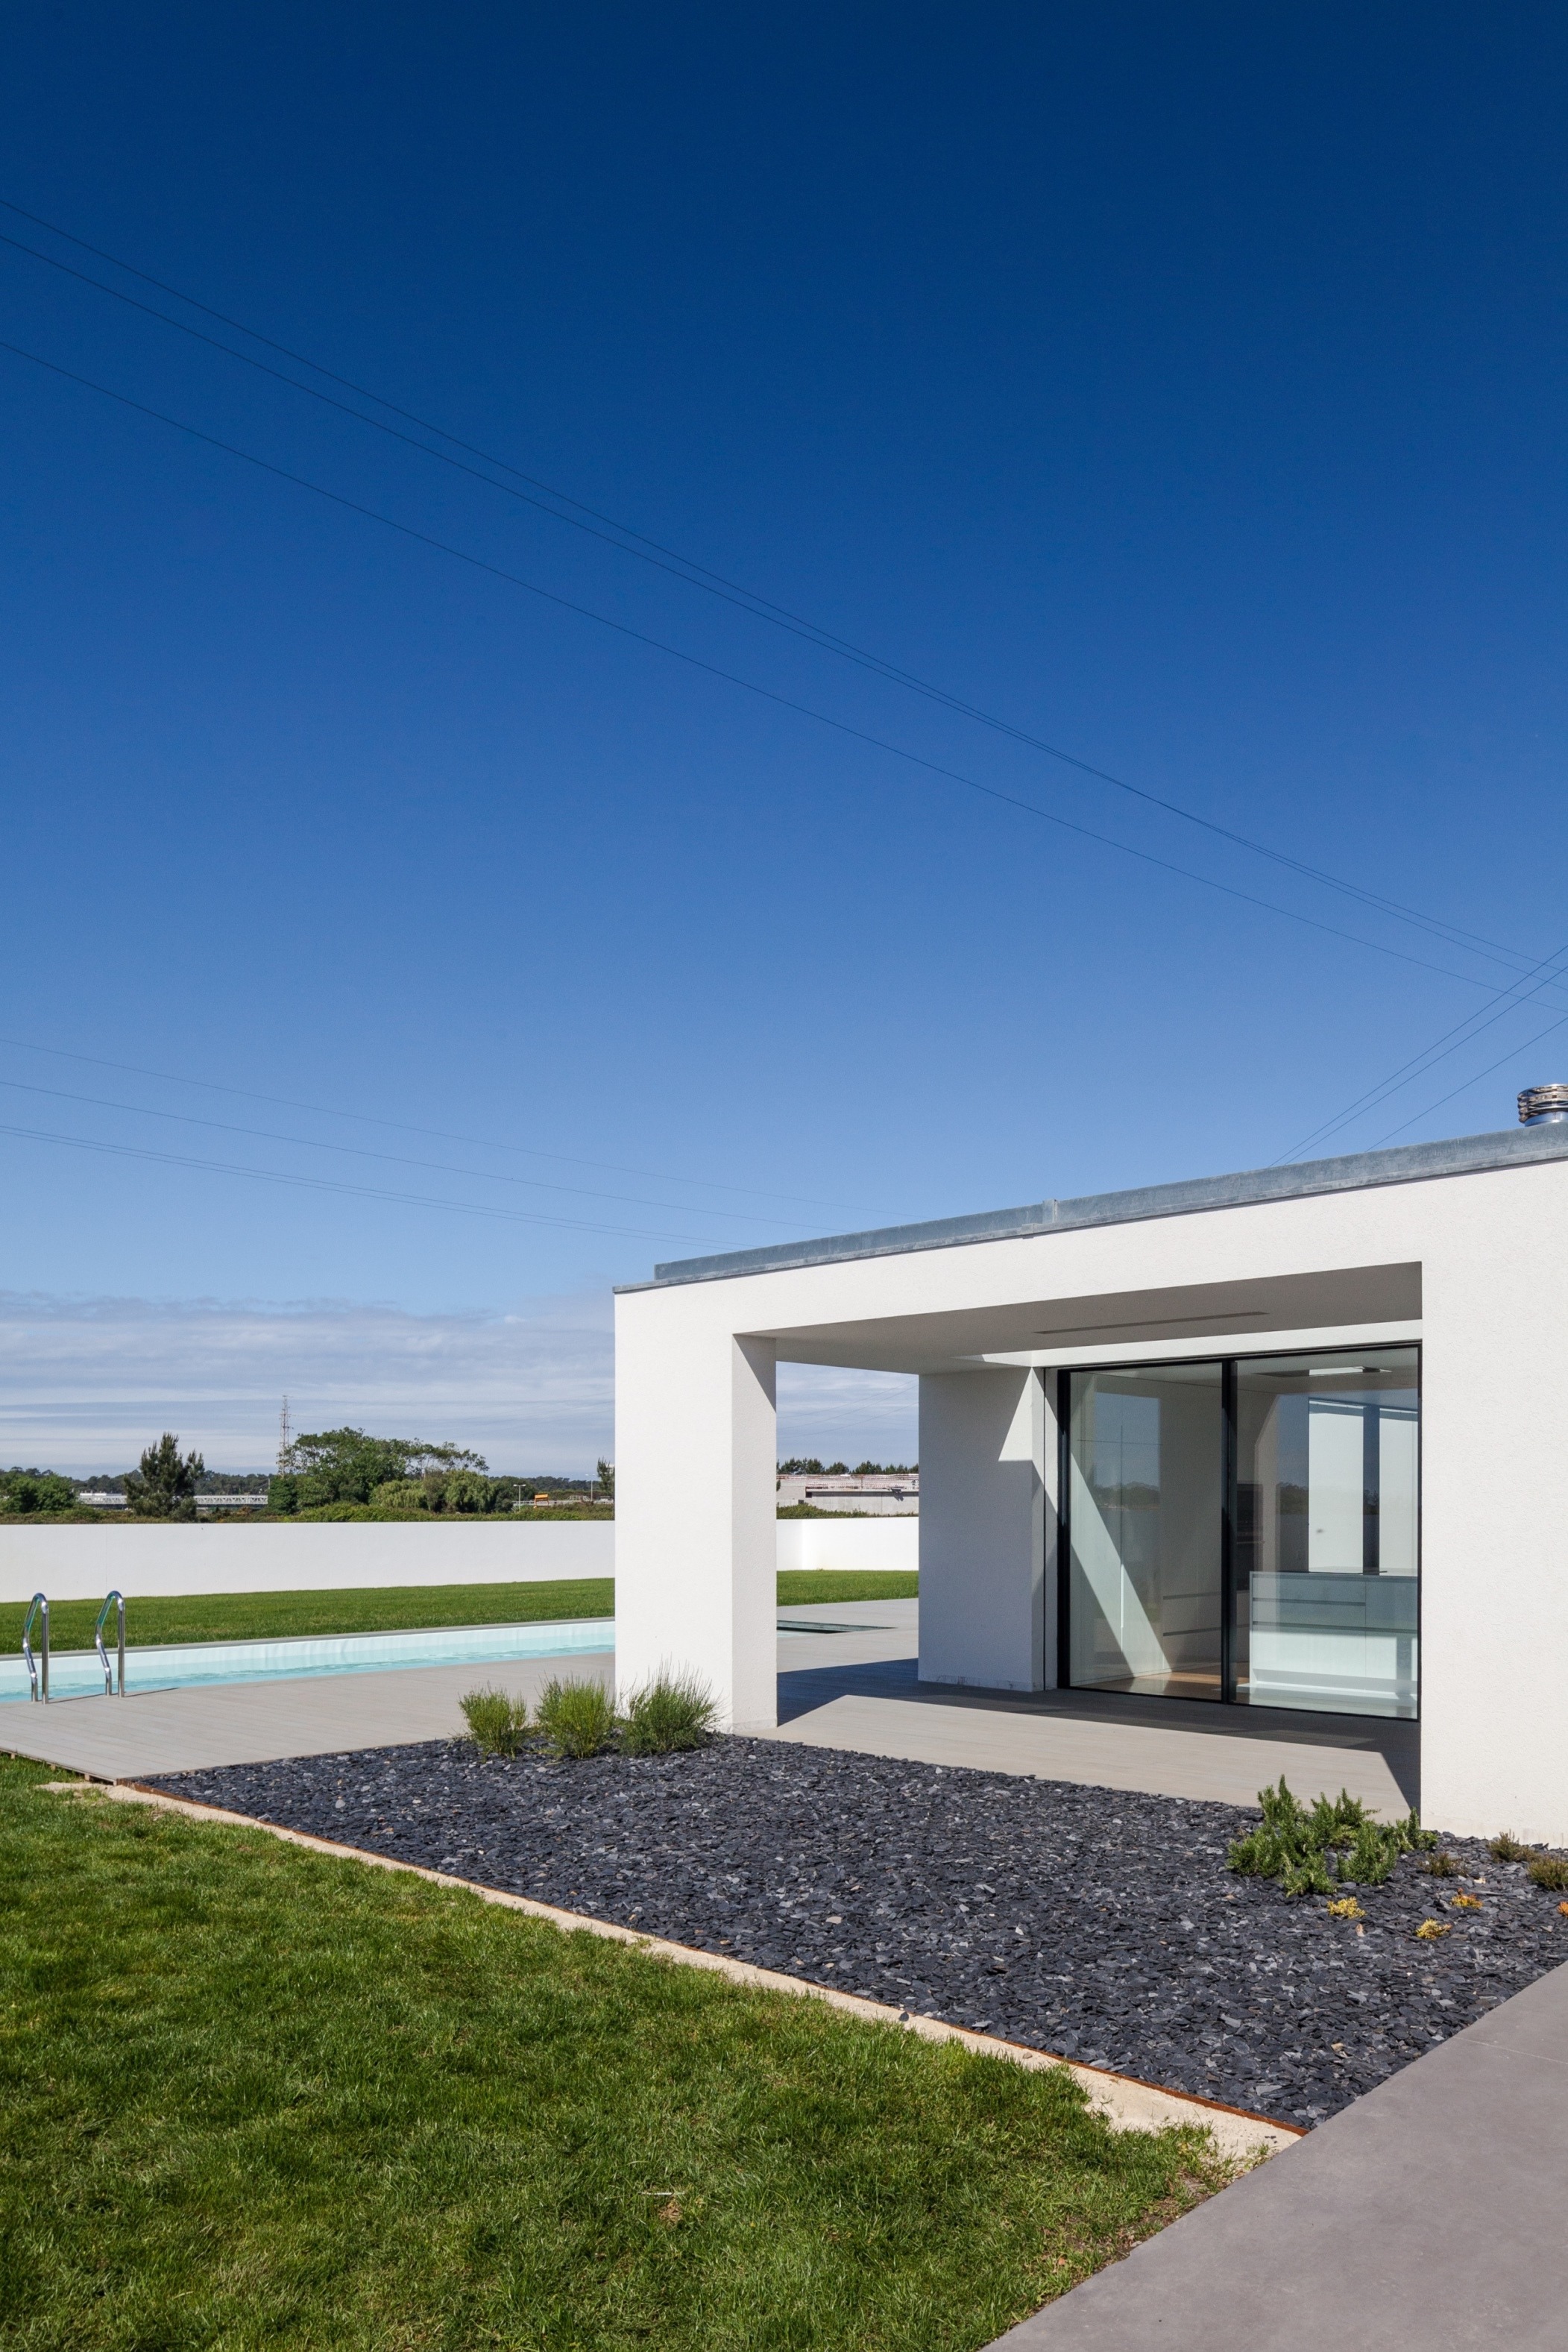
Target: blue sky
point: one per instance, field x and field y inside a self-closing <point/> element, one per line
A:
<point x="1183" y="388"/>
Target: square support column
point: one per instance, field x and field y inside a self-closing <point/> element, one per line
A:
<point x="987" y="1464"/>
<point x="696" y="1538"/>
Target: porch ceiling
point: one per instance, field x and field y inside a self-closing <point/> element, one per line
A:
<point x="958" y="1338"/>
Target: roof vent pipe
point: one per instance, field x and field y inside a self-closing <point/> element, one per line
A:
<point x="1543" y="1106"/>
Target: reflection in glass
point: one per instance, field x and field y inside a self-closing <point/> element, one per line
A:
<point x="1326" y="1531"/>
<point x="1147" y="1455"/>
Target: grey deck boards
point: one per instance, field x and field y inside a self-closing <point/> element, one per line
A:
<point x="1429" y="2214"/>
<point x="250" y="1723"/>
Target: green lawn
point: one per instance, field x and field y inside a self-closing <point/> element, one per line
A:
<point x="263" y="1616"/>
<point x="251" y="2098"/>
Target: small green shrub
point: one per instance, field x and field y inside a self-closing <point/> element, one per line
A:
<point x="1441" y="1865"/>
<point x="576" y="1718"/>
<point x="1549" y="1869"/>
<point x="498" y="1724"/>
<point x="1297" y="1843"/>
<point x="1506" y="1847"/>
<point x="672" y="1712"/>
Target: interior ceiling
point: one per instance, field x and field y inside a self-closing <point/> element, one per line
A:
<point x="957" y="1338"/>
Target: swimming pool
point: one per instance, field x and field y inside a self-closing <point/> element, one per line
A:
<point x="151" y="1665"/>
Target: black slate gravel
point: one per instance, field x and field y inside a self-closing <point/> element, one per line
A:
<point x="1097" y="1924"/>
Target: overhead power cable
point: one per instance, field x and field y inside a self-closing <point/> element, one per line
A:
<point x="436" y="1134"/>
<point x="331" y="1185"/>
<point x="1462" y="1034"/>
<point x="1512" y="1056"/>
<point x="731" y="677"/>
<point x="390" y="1159"/>
<point x="549" y="499"/>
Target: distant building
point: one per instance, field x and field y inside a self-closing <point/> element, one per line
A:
<point x="885" y="1497"/>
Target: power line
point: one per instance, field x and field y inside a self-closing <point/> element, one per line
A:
<point x="731" y="677"/>
<point x="1550" y="1030"/>
<point x="402" y="1126"/>
<point x="1427" y="1058"/>
<point x="329" y="1184"/>
<point x="669" y="561"/>
<point x="362" y="1151"/>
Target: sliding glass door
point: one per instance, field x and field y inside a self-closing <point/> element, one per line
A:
<point x="1246" y="1531"/>
<point x="1327" y="1564"/>
<point x="1147" y="1457"/>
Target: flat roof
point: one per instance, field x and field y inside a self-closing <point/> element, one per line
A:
<point x="1409" y="1163"/>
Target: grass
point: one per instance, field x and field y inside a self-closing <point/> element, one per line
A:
<point x="498" y="1724"/>
<point x="800" y="1588"/>
<point x="250" y="2096"/>
<point x="264" y="1616"/>
<point x="575" y="1717"/>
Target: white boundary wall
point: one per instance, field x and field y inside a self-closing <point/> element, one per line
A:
<point x="841" y="1544"/>
<point x="80" y="1563"/>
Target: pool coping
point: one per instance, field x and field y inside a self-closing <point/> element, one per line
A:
<point x="1128" y="2103"/>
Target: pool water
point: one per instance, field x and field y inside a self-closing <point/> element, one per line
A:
<point x="76" y="1673"/>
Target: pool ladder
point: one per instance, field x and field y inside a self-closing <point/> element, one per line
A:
<point x="39" y="1667"/>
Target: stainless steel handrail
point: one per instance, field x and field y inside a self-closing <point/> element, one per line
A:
<point x="36" y="1604"/>
<point x="109" y="1600"/>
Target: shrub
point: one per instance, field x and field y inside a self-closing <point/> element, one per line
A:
<point x="1296" y="1844"/>
<point x="497" y="1723"/>
<point x="576" y="1718"/>
<point x="1506" y="1847"/>
<point x="29" y="1491"/>
<point x="1442" y="1865"/>
<point x="400" y="1495"/>
<point x="672" y="1712"/>
<point x="1549" y="1869"/>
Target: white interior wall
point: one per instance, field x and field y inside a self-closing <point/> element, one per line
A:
<point x="982" y="1528"/>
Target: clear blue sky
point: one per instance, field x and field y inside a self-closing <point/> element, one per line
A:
<point x="1183" y="387"/>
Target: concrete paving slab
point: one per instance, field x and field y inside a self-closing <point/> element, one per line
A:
<point x="155" y="1732"/>
<point x="1426" y="2214"/>
<point x="1165" y="1763"/>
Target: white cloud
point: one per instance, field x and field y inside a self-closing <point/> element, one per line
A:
<point x="85" y="1383"/>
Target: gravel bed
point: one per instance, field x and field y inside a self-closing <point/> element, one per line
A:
<point x="1092" y="1922"/>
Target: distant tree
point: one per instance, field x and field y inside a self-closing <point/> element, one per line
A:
<point x="165" y="1486"/>
<point x="836" y="1470"/>
<point x="604" y="1480"/>
<point x="868" y="1470"/>
<point x="798" y="1468"/>
<point x="32" y="1492"/>
<point x="347" y="1466"/>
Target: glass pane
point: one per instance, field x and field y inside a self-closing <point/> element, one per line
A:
<point x="1328" y="1454"/>
<point x="1147" y="1454"/>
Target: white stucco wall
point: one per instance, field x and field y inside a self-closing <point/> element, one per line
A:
<point x="80" y="1563"/>
<point x="891" y="1546"/>
<point x="982" y="1529"/>
<point x="696" y="1522"/>
<point x="1492" y="1250"/>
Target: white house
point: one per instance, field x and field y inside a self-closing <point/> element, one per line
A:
<point x="1296" y="1439"/>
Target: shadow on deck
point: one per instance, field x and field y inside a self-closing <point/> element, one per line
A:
<point x="1273" y="1731"/>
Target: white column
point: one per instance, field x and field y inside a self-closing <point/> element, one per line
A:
<point x="1494" y="1522"/>
<point x="983" y="1492"/>
<point x="695" y="1520"/>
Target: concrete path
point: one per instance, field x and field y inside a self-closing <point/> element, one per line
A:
<point x="1427" y="2215"/>
<point x="248" y="1723"/>
<point x="858" y="1691"/>
<point x="846" y="1680"/>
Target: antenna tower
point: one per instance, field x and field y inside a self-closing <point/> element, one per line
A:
<point x="284" y="1438"/>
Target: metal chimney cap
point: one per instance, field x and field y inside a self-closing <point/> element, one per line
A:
<point x="1538" y="1105"/>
